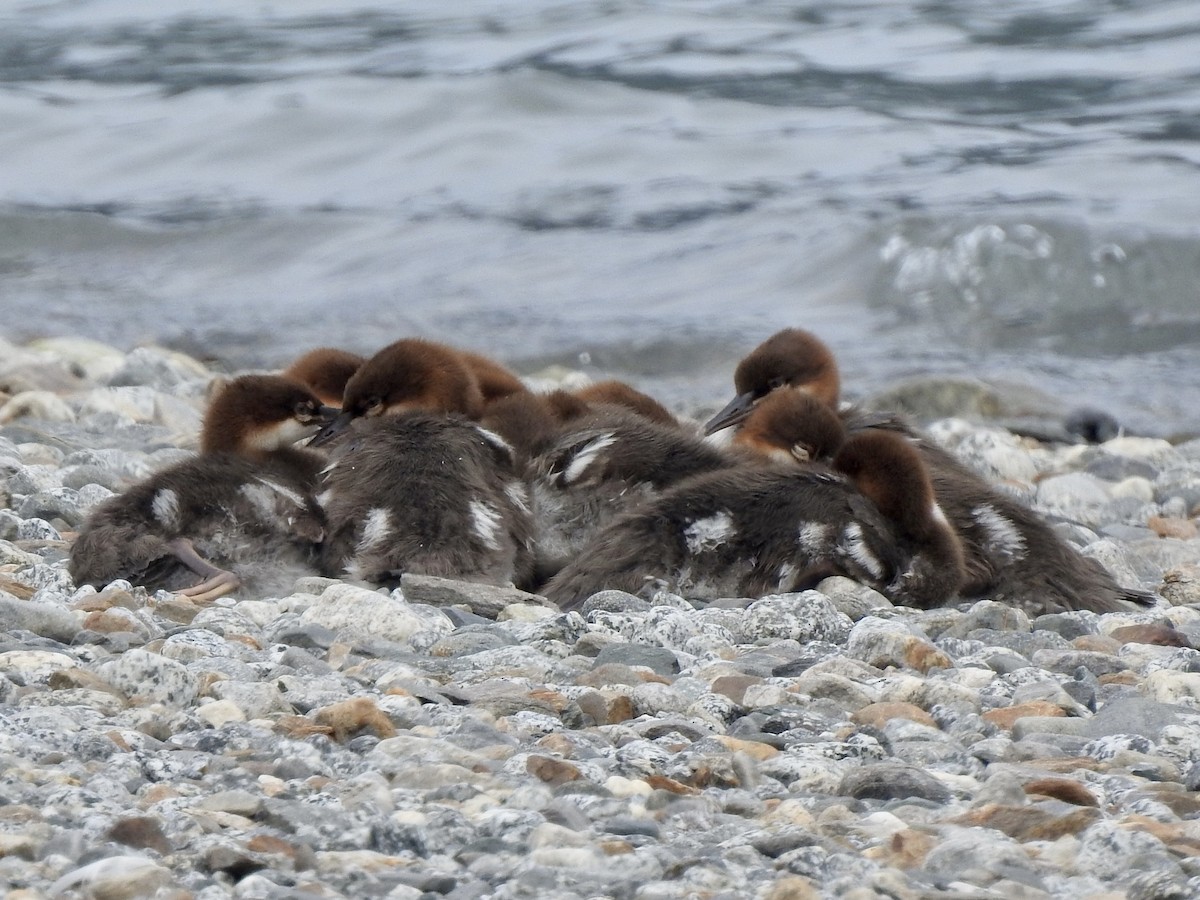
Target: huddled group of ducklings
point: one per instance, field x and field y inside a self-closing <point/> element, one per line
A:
<point x="432" y="460"/>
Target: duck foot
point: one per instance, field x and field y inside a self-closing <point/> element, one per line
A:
<point x="217" y="582"/>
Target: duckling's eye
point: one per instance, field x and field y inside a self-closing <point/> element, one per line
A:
<point x="777" y="382"/>
<point x="373" y="407"/>
<point x="305" y="411"/>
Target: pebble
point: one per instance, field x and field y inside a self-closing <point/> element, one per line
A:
<point x="461" y="740"/>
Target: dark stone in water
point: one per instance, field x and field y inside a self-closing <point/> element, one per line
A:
<point x="1093" y="425"/>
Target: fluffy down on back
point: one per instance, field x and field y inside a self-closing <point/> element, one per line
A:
<point x="429" y="494"/>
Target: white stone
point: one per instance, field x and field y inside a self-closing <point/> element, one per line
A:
<point x="357" y="611"/>
<point x="220" y="712"/>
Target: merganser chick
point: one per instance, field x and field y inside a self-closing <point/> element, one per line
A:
<point x="753" y="530"/>
<point x="432" y="494"/>
<point x="790" y="426"/>
<point x="1010" y="552"/>
<point x="245" y="501"/>
<point x="415" y="374"/>
<point x="602" y="463"/>
<point x="789" y="358"/>
<point x="325" y="371"/>
<point x="618" y="393"/>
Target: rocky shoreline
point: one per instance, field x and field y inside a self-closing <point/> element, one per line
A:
<point x="455" y="740"/>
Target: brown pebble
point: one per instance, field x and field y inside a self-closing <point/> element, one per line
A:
<point x="905" y="849"/>
<point x="1064" y="789"/>
<point x="1184" y="529"/>
<point x="558" y="744"/>
<point x="754" y="749"/>
<point x="18" y="589"/>
<point x="879" y="714"/>
<point x="615" y="848"/>
<point x="1028" y="823"/>
<point x="1159" y="635"/>
<point x="143" y="832"/>
<point x="923" y="656"/>
<point x="110" y="621"/>
<point x="793" y="887"/>
<point x="663" y="783"/>
<point x="1005" y="716"/>
<point x="734" y="686"/>
<point x="351" y="717"/>
<point x="551" y="770"/>
<point x="1098" y="643"/>
<point x="616" y="673"/>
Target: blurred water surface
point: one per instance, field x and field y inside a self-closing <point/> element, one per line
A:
<point x="645" y="189"/>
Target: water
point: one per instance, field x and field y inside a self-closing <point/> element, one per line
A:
<point x="642" y="189"/>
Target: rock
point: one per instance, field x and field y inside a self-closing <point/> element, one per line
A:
<point x="115" y="878"/>
<point x="483" y="599"/>
<point x="46" y="619"/>
<point x="883" y="643"/>
<point x="892" y="781"/>
<point x="149" y="678"/>
<point x="807" y="616"/>
<point x="358" y="613"/>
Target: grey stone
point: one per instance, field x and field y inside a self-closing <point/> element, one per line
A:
<point x="483" y="599"/>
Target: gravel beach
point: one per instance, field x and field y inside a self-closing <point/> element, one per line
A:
<point x="462" y="741"/>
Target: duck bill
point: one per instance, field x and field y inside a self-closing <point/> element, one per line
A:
<point x="339" y="421"/>
<point x="735" y="411"/>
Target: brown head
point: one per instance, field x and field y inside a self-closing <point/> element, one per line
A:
<point x="258" y="414"/>
<point x="411" y="374"/>
<point x="789" y="425"/>
<point x="618" y="393"/>
<point x="325" y="371"/>
<point x="888" y="470"/>
<point x="790" y="358"/>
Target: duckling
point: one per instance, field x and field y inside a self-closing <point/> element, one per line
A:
<point x="416" y="374"/>
<point x="245" y="500"/>
<point x="792" y="358"/>
<point x="427" y="493"/>
<point x="1010" y="552"/>
<point x="751" y="530"/>
<point x="325" y="371"/>
<point x="602" y="463"/>
<point x="618" y="393"/>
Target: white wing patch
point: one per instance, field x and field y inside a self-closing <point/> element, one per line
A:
<point x="486" y="522"/>
<point x="586" y="456"/>
<point x="813" y="536"/>
<point x="376" y="529"/>
<point x="165" y="507"/>
<point x="260" y="497"/>
<point x="856" y="546"/>
<point x="709" y="532"/>
<point x="1003" y="535"/>
<point x="495" y="440"/>
<point x="324" y="497"/>
<point x="285" y="492"/>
